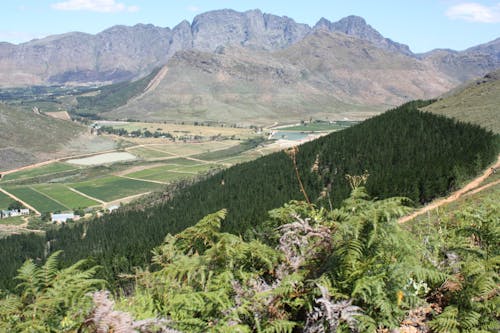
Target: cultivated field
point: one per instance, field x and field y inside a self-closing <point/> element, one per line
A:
<point x="38" y="200"/>
<point x="101" y="179"/>
<point x="5" y="201"/>
<point x="65" y="196"/>
<point x="111" y="188"/>
<point x="174" y="170"/>
<point x="49" y="169"/>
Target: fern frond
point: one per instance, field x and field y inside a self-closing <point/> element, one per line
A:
<point x="279" y="326"/>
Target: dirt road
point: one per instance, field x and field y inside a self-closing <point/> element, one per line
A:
<point x="473" y="186"/>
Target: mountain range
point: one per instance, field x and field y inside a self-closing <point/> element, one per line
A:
<point x="324" y="75"/>
<point x="123" y="52"/>
<point x="247" y="65"/>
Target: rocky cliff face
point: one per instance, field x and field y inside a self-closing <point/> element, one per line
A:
<point x="123" y="53"/>
<point x="116" y="54"/>
<point x="356" y="26"/>
<point x="251" y="29"/>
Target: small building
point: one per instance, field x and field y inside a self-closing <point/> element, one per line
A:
<point x="62" y="217"/>
<point x="112" y="208"/>
<point x="14" y="212"/>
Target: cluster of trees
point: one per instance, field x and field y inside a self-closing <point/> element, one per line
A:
<point x="310" y="269"/>
<point x="406" y="152"/>
<point x="111" y="96"/>
<point x="136" y="133"/>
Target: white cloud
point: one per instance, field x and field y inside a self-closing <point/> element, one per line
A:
<point x="474" y="12"/>
<point x="102" y="6"/>
<point x="193" y="8"/>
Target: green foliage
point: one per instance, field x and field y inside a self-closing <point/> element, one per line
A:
<point x="471" y="298"/>
<point x="407" y="153"/>
<point x="357" y="256"/>
<point x="112" y="96"/>
<point x="49" y="299"/>
<point x="349" y="269"/>
<point x="15" y="205"/>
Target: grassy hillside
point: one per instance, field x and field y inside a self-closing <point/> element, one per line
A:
<point x="26" y="137"/>
<point x="477" y="102"/>
<point x="406" y="152"/>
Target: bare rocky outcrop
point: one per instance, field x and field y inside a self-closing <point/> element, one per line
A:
<point x="356" y="26"/>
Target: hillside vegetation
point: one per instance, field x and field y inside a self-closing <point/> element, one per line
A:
<point x="406" y="152"/>
<point x="350" y="269"/>
<point x="112" y="96"/>
<point x="477" y="102"/>
<point x="26" y="137"/>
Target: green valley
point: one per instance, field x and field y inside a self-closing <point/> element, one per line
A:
<point x="241" y="172"/>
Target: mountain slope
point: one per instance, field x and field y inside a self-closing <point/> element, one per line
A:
<point x="323" y="75"/>
<point x="466" y="65"/>
<point x="123" y="53"/>
<point x="116" y="54"/>
<point x="26" y="138"/>
<point x="477" y="102"/>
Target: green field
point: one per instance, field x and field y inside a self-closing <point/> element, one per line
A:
<point x="65" y="196"/>
<point x="41" y="202"/>
<point x="162" y="173"/>
<point x="147" y="153"/>
<point x="186" y="149"/>
<point x="198" y="168"/>
<point x="16" y="220"/>
<point x="40" y="171"/>
<point x="5" y="201"/>
<point x="320" y="126"/>
<point x="151" y="171"/>
<point x="230" y="151"/>
<point x="181" y="162"/>
<point x="112" y="188"/>
<point x="167" y="176"/>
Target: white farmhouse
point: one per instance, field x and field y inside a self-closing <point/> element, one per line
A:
<point x="14" y="212"/>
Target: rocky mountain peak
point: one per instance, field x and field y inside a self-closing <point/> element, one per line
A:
<point x="252" y="29"/>
<point x="356" y="26"/>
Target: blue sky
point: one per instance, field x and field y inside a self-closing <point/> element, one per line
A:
<point x="422" y="24"/>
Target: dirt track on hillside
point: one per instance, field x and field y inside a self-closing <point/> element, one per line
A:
<point x="472" y="187"/>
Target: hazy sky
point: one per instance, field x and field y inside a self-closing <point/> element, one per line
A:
<point x="422" y="24"/>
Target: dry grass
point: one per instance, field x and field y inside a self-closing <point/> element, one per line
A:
<point x="478" y="102"/>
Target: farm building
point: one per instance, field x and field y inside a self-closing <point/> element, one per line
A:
<point x="62" y="217"/>
<point x="14" y="212"/>
<point x="112" y="208"/>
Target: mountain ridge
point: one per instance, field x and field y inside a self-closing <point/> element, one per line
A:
<point x="302" y="80"/>
<point x="122" y="53"/>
